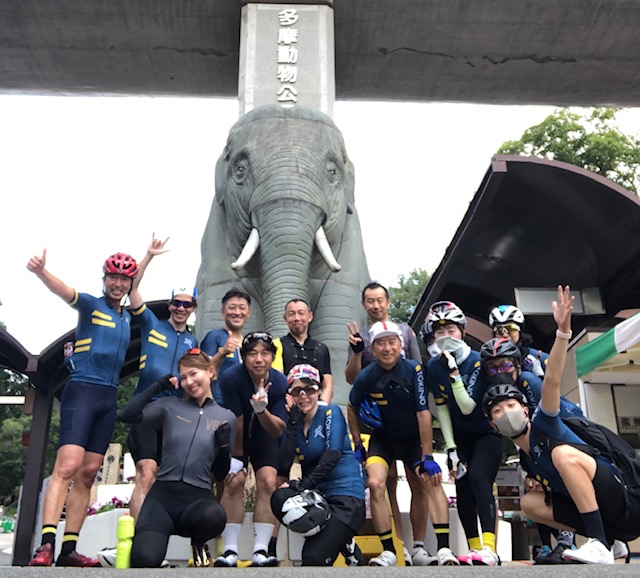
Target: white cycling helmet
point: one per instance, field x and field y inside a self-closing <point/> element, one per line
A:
<point x="306" y="513"/>
<point x="506" y="314"/>
<point x="442" y="313"/>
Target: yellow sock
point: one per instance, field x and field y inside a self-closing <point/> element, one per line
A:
<point x="474" y="543"/>
<point x="489" y="540"/>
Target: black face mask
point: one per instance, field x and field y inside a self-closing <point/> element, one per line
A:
<point x="502" y="379"/>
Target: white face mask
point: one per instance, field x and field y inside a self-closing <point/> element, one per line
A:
<point x="433" y="350"/>
<point x="456" y="347"/>
<point x="512" y="423"/>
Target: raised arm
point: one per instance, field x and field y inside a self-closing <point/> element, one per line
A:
<point x="155" y="248"/>
<point x="354" y="364"/>
<point x="562" y="309"/>
<point x="37" y="266"/>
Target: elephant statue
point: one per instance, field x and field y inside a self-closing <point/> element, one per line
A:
<point x="284" y="225"/>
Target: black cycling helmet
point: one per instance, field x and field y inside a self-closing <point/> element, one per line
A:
<point x="499" y="393"/>
<point x="500" y="347"/>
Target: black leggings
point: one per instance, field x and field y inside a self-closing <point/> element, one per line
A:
<point x="323" y="548"/>
<point x="174" y="508"/>
<point x="482" y="454"/>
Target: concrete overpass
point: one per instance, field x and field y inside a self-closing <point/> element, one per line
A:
<point x="574" y="52"/>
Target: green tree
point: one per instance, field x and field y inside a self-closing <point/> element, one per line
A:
<point x="121" y="431"/>
<point x="405" y="296"/>
<point x="586" y="138"/>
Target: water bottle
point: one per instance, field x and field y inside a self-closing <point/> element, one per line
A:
<point x="125" y="532"/>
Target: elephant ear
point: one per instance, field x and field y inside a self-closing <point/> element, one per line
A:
<point x="221" y="176"/>
<point x="349" y="184"/>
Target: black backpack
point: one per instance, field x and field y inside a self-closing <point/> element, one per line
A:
<point x="601" y="441"/>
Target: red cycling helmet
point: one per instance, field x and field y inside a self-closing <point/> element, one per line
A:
<point x="121" y="264"/>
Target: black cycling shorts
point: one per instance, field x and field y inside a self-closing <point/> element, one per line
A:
<point x="620" y="522"/>
<point x="262" y="452"/>
<point x="88" y="415"/>
<point x="381" y="446"/>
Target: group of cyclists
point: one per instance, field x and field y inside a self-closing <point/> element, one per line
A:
<point x="201" y="415"/>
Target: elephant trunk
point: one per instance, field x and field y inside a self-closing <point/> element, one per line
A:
<point x="287" y="234"/>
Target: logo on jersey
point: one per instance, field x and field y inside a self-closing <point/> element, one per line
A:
<point x="318" y="432"/>
<point x="189" y="342"/>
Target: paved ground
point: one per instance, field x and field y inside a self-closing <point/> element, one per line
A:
<point x="511" y="571"/>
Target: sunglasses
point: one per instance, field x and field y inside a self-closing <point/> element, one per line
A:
<point x="196" y="351"/>
<point x="506" y="367"/>
<point x="253" y="337"/>
<point x="509" y="328"/>
<point x="308" y="390"/>
<point x="179" y="303"/>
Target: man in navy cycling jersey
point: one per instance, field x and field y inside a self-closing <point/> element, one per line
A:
<point x="581" y="485"/>
<point x="255" y="393"/>
<point x="397" y="386"/>
<point x="88" y="404"/>
<point x="162" y="346"/>
<point x="223" y="345"/>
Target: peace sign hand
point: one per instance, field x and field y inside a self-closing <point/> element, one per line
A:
<point x="355" y="339"/>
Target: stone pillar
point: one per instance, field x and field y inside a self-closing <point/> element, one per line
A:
<point x="287" y="56"/>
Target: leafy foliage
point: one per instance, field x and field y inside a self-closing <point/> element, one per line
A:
<point x="590" y="139"/>
<point x="406" y="294"/>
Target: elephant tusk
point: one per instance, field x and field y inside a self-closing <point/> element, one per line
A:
<point x="248" y="251"/>
<point x="325" y="250"/>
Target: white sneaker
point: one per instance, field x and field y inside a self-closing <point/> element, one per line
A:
<point x="386" y="558"/>
<point x="447" y="558"/>
<point x="420" y="557"/>
<point x="592" y="552"/>
<point x="262" y="560"/>
<point x="228" y="560"/>
<point x="407" y="557"/>
<point x="485" y="557"/>
<point x="468" y="557"/>
<point x="619" y="550"/>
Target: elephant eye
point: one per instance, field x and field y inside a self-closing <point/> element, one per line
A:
<point x="333" y="172"/>
<point x="239" y="170"/>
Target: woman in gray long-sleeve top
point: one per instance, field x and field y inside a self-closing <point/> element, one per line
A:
<point x="196" y="437"/>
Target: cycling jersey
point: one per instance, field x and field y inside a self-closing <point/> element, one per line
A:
<point x="189" y="444"/>
<point x="237" y="388"/>
<point x="440" y="385"/>
<point x="161" y="349"/>
<point x="289" y="353"/>
<point x="399" y="392"/>
<point x="328" y="430"/>
<point x="102" y="338"/>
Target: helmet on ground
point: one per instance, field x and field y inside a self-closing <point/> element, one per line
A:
<point x="306" y="513"/>
<point x="443" y="313"/>
<point x="506" y="314"/>
<point x="500" y="347"/>
<point x="499" y="393"/>
<point x="369" y="413"/>
<point x="120" y="264"/>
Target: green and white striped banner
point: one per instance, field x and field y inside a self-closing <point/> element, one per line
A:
<point x="623" y="336"/>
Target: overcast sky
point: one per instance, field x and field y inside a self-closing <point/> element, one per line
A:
<point x="86" y="177"/>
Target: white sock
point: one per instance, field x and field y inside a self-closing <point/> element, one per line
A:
<point x="262" y="533"/>
<point x="230" y="536"/>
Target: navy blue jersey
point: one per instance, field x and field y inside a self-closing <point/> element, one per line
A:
<point x="213" y="341"/>
<point x="400" y="393"/>
<point x="539" y="462"/>
<point x="237" y="389"/>
<point x="161" y="349"/>
<point x="102" y="339"/>
<point x="475" y="385"/>
<point x="329" y="431"/>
